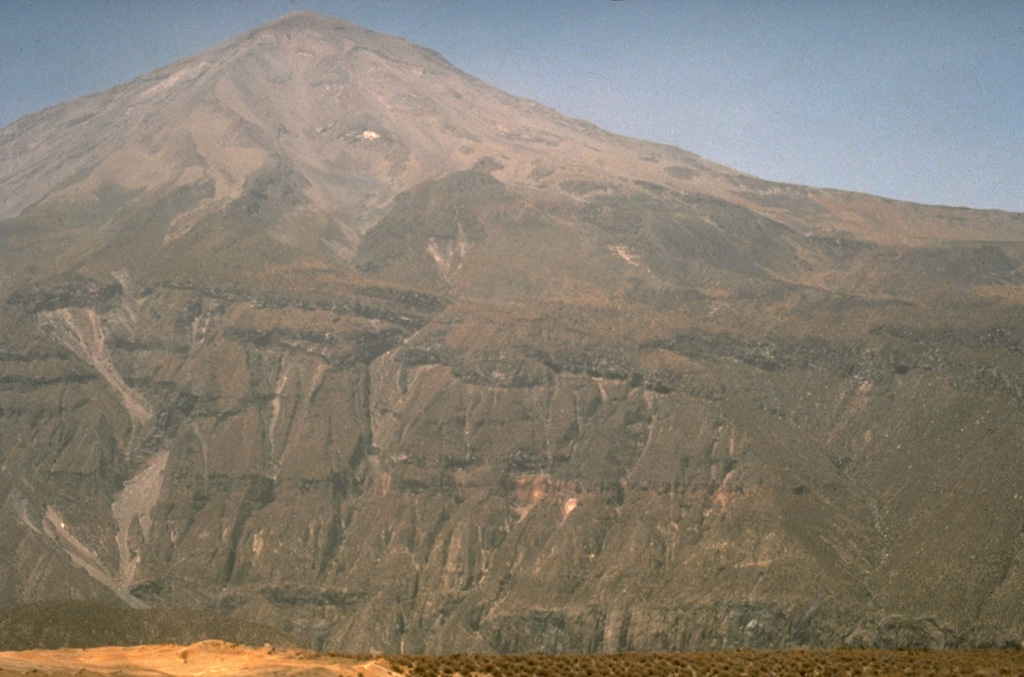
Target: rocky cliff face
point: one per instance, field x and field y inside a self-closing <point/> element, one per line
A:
<point x="313" y="329"/>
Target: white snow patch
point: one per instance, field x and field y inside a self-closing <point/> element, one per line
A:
<point x="370" y="135"/>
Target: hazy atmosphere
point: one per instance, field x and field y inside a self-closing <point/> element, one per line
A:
<point x="309" y="338"/>
<point x="917" y="101"/>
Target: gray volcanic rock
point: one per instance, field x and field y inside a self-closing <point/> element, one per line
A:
<point x="312" y="329"/>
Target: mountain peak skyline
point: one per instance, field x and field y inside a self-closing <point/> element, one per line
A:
<point x="315" y="329"/>
<point x="836" y="97"/>
<point x="343" y="120"/>
<point x="347" y="117"/>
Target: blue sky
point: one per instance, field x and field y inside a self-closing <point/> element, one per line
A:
<point x="916" y="100"/>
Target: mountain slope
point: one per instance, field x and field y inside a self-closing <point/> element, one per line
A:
<point x="57" y="625"/>
<point x="315" y="330"/>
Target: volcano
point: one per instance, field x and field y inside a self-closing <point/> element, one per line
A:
<point x="315" y="330"/>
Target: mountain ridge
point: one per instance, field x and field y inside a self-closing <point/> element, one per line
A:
<point x="380" y="356"/>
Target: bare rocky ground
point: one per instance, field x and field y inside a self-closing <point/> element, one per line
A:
<point x="214" y="657"/>
<point x="316" y="331"/>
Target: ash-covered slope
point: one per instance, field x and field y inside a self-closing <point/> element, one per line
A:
<point x="315" y="330"/>
<point x="312" y="124"/>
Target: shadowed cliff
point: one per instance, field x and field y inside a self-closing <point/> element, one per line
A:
<point x="314" y="330"/>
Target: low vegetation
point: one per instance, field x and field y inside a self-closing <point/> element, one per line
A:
<point x="739" y="663"/>
<point x="82" y="624"/>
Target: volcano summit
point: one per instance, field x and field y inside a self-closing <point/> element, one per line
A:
<point x="313" y="329"/>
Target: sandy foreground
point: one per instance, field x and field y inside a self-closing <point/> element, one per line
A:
<point x="212" y="657"/>
<point x="215" y="657"/>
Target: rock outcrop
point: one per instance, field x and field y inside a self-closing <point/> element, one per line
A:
<point x="315" y="330"/>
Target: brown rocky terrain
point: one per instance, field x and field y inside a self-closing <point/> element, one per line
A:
<point x="312" y="329"/>
<point x="79" y="624"/>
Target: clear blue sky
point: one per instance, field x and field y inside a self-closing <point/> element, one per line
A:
<point x="917" y="100"/>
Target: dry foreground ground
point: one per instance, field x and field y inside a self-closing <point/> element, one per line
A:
<point x="215" y="657"/>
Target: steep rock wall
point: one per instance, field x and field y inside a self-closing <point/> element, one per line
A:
<point x="373" y="486"/>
